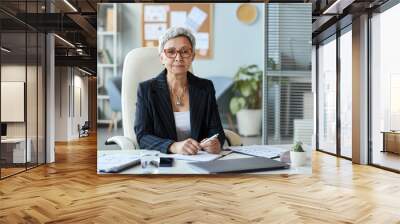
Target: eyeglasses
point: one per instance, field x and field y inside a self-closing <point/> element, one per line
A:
<point x="184" y="52"/>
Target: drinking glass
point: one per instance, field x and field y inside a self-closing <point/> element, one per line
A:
<point x="149" y="161"/>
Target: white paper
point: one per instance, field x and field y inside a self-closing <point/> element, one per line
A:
<point x="201" y="40"/>
<point x="155" y="13"/>
<point x="115" y="162"/>
<point x="195" y="19"/>
<point x="259" y="150"/>
<point x="152" y="31"/>
<point x="202" y="156"/>
<point x="177" y="19"/>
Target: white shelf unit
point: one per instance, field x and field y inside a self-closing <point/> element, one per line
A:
<point x="108" y="42"/>
<point x="106" y="33"/>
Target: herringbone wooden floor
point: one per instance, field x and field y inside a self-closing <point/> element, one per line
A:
<point x="70" y="191"/>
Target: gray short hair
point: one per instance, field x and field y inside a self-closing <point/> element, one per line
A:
<point x="175" y="32"/>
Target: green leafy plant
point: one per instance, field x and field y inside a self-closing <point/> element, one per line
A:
<point x="271" y="64"/>
<point x="247" y="89"/>
<point x="298" y="147"/>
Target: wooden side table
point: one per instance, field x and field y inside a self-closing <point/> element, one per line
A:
<point x="391" y="141"/>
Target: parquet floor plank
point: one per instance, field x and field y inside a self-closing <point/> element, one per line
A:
<point x="70" y="191"/>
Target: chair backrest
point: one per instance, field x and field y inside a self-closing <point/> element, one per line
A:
<point x="140" y="64"/>
<point x="86" y="126"/>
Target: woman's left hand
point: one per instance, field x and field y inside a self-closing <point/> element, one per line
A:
<point x="212" y="146"/>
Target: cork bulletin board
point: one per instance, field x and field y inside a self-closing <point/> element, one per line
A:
<point x="198" y="17"/>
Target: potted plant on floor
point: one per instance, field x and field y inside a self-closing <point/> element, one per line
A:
<point x="246" y="103"/>
<point x="298" y="156"/>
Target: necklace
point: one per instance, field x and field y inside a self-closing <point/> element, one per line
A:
<point x="179" y="98"/>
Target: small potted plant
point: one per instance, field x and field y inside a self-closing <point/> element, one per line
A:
<point x="246" y="103"/>
<point x="298" y="156"/>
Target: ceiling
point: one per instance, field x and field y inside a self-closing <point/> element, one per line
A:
<point x="330" y="15"/>
<point x="76" y="20"/>
<point x="76" y="25"/>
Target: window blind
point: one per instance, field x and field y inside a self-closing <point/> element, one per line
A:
<point x="288" y="100"/>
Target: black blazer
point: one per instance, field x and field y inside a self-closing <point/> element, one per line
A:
<point x="154" y="120"/>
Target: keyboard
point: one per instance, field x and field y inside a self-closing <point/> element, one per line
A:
<point x="259" y="150"/>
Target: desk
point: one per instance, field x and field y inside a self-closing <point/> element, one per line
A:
<point x="183" y="167"/>
<point x="16" y="147"/>
<point x="391" y="141"/>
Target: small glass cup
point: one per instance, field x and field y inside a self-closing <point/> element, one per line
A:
<point x="149" y="161"/>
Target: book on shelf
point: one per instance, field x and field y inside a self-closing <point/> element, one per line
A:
<point x="105" y="57"/>
<point x="108" y="57"/>
<point x="100" y="57"/>
<point x="110" y="20"/>
<point x="102" y="91"/>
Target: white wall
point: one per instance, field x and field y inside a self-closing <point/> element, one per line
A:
<point x="61" y="103"/>
<point x="80" y="93"/>
<point x="234" y="44"/>
<point x="14" y="73"/>
<point x="33" y="126"/>
<point x="67" y="115"/>
<point x="82" y="83"/>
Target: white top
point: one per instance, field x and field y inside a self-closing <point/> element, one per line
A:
<point x="182" y="123"/>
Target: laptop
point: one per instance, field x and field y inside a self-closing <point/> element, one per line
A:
<point x="242" y="165"/>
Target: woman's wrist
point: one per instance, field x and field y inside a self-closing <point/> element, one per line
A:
<point x="172" y="147"/>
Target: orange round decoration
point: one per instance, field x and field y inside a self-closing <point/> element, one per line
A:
<point x="247" y="13"/>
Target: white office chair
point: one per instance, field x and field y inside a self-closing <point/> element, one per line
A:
<point x="141" y="64"/>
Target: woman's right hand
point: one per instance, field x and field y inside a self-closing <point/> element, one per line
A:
<point x="186" y="147"/>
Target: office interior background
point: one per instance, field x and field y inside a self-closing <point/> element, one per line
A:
<point x="220" y="65"/>
<point x="334" y="59"/>
<point x="292" y="90"/>
<point x="49" y="81"/>
<point x="286" y="90"/>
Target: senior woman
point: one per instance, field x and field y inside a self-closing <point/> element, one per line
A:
<point x="177" y="111"/>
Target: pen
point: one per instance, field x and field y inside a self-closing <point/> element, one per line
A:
<point x="210" y="138"/>
<point x="225" y="154"/>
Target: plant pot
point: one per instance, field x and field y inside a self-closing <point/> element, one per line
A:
<point x="249" y="122"/>
<point x="298" y="158"/>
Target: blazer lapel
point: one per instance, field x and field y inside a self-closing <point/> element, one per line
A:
<point x="164" y="106"/>
<point x="197" y="104"/>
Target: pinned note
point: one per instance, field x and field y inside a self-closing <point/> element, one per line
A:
<point x="155" y="13"/>
<point x="195" y="19"/>
<point x="152" y="31"/>
<point x="202" y="40"/>
<point x="178" y="18"/>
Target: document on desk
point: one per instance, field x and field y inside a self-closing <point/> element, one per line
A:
<point x="259" y="150"/>
<point x="201" y="156"/>
<point x="113" y="163"/>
